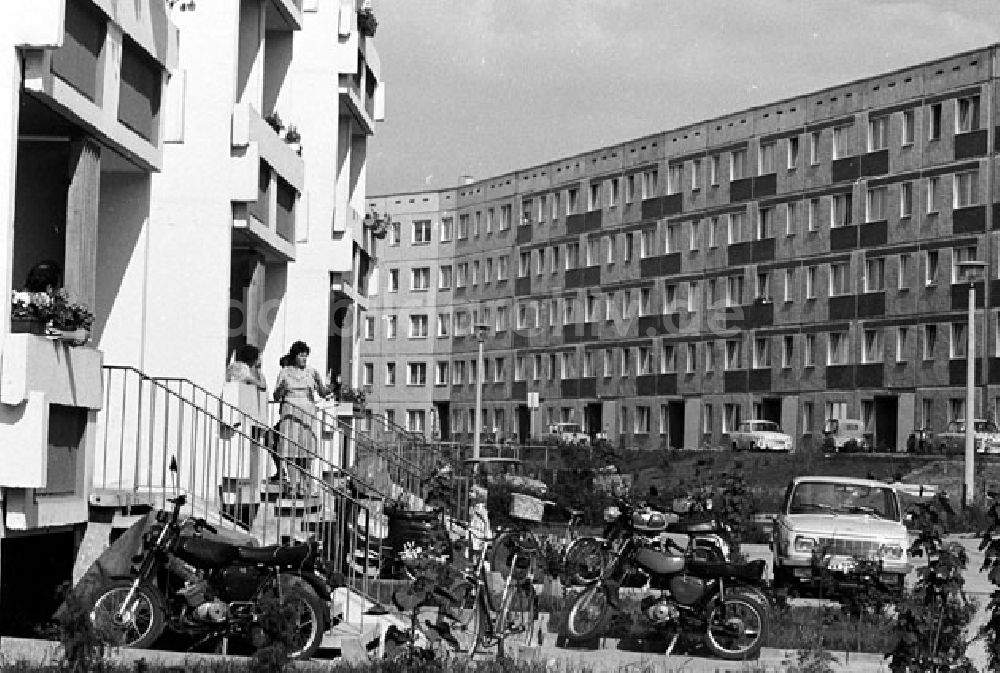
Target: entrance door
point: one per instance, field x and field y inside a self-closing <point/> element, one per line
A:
<point x="886" y="410"/>
<point x="675" y="424"/>
<point x="593" y="419"/>
<point x="246" y="294"/>
<point x="770" y="409"/>
<point x="444" y="420"/>
<point x="524" y="423"/>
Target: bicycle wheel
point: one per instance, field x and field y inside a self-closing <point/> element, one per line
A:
<point x="584" y="560"/>
<point x="469" y="627"/>
<point x="516" y="620"/>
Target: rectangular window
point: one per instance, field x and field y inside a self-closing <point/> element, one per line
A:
<point x="734" y="291"/>
<point x="443" y="324"/>
<point x="930" y="341"/>
<point x="368" y="374"/>
<point x="503" y="319"/>
<point x="447" y="229"/>
<point x="737" y="164"/>
<point x="647" y="245"/>
<point x="415" y="420"/>
<point x="628" y="247"/>
<point x="595" y="196"/>
<point x="765" y="223"/>
<point x="966" y="190"/>
<point x="675" y="176"/>
<point x="905" y="199"/>
<point x="572" y="198"/>
<point x="421" y="232"/>
<point x="692" y="296"/>
<point x="709" y="356"/>
<point x="934" y="122"/>
<point x="878" y="134"/>
<point x="841" y="142"/>
<point x="369" y="328"/>
<point x="787" y="350"/>
<point x="841" y="214"/>
<point x="668" y="358"/>
<point x="642" y="420"/>
<point x="840" y="279"/>
<point x="789" y="287"/>
<point x="713" y="232"/>
<point x="875" y="204"/>
<point x="418" y="326"/>
<point x="713" y="169"/>
<point x="505" y="215"/>
<point x="967" y="114"/>
<point x="931" y="270"/>
<point x="762" y="287"/>
<point x="809" y="356"/>
<point x="488" y="274"/>
<point x="810" y="282"/>
<point x="499" y="370"/>
<point x="793" y="152"/>
<point x="956" y="409"/>
<point x="630" y="188"/>
<point x="670" y="299"/>
<point x="444" y="278"/>
<point x="393" y="280"/>
<point x="394" y="233"/>
<point x="645" y="301"/>
<point x="814" y="214"/>
<point x="814" y="148"/>
<point x="645" y="360"/>
<point x="649" y="186"/>
<point x="959" y="340"/>
<point x="902" y="280"/>
<point x="730" y="418"/>
<point x="838" y="348"/>
<point x="908" y="127"/>
<point x="502" y="268"/>
<point x="458" y="373"/>
<point x="477" y="224"/>
<point x="441" y="374"/>
<point x="900" y="344"/>
<point x="556" y="205"/>
<point x="737" y="233"/>
<point x="873" y="346"/>
<point x="691" y="358"/>
<point x="475" y="272"/>
<point x="588" y="364"/>
<point x="734" y="349"/>
<point x="463" y="227"/>
<point x="539" y="261"/>
<point x="765" y="159"/>
<point x="791" y="213"/>
<point x="416" y="374"/>
<point x="959" y="255"/>
<point x="390" y="327"/>
<point x="932" y="194"/>
<point x="875" y="274"/>
<point x="536" y="367"/>
<point x="626" y="364"/>
<point x="613" y="192"/>
<point x="572" y="255"/>
<point x="490" y="220"/>
<point x="523" y="264"/>
<point x="696" y="175"/>
<point x="593" y="251"/>
<point x="671" y="242"/>
<point x="761" y="353"/>
<point x="609" y="357"/>
<point x="390" y="373"/>
<point x="807" y="415"/>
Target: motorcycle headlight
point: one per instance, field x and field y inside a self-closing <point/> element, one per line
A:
<point x="611" y="514"/>
<point x="162" y="516"/>
<point x="804" y="543"/>
<point x="892" y="551"/>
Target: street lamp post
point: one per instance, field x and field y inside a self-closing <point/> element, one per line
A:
<point x="481" y="331"/>
<point x="971" y="270"/>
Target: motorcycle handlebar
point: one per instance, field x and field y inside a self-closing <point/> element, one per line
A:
<point x="201" y="523"/>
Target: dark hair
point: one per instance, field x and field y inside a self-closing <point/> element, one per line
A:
<point x="247" y="354"/>
<point x="43" y="276"/>
<point x="297" y="348"/>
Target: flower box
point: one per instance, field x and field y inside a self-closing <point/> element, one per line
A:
<point x="27" y="326"/>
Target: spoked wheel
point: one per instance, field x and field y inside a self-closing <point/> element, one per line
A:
<point x="515" y="623"/>
<point x="589" y="613"/>
<point x="737" y="626"/>
<point x="585" y="560"/>
<point x="137" y="624"/>
<point x="306" y="614"/>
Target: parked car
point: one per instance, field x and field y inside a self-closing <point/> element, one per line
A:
<point x="830" y="523"/>
<point x="757" y="435"/>
<point x="845" y="435"/>
<point x="565" y="433"/>
<point x="987" y="437"/>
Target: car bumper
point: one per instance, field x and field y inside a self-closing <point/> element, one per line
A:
<point x="802" y="571"/>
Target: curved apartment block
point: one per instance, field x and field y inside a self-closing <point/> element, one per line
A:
<point x="797" y="261"/>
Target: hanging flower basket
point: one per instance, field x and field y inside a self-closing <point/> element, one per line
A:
<point x="367" y="24"/>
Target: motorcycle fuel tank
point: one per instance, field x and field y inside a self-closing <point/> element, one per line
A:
<point x="687" y="589"/>
<point x="657" y="562"/>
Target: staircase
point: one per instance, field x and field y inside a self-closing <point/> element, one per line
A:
<point x="224" y="457"/>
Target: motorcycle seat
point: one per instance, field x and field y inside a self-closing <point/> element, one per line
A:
<point x="275" y="555"/>
<point x="203" y="553"/>
<point x="751" y="571"/>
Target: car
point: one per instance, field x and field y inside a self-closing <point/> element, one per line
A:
<point x="987" y="437"/>
<point x="828" y="525"/>
<point x="760" y="435"/>
<point x="565" y="433"/>
<point x="845" y="435"/>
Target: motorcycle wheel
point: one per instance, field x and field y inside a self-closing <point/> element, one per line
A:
<point x="584" y="560"/>
<point x="589" y="613"/>
<point x="308" y="626"/>
<point x="737" y="625"/>
<point x="143" y="622"/>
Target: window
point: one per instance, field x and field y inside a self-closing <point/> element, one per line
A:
<point x="838" y="348"/>
<point x="623" y="420"/>
<point x="765" y="223"/>
<point x="734" y="290"/>
<point x="505" y="215"/>
<point x="390" y="327"/>
<point x="841" y="141"/>
<point x="645" y="301"/>
<point x="503" y="319"/>
<point x="762" y="286"/>
<point x="966" y="191"/>
<point x="368" y="374"/>
<point x="765" y="159"/>
<point x="932" y="194"/>
<point x="415" y="420"/>
<point x="420" y="278"/>
<point x="444" y="278"/>
<point x="626" y="364"/>
<point x="908" y="127"/>
<point x="462" y="275"/>
<point x="841" y="214"/>
<point x="959" y="340"/>
<point x="736" y="227"/>
<point x="934" y="122"/>
<point x="873" y="346"/>
<point x="416" y="374"/>
<point x="695" y="235"/>
<point x="572" y="255"/>
<point x="691" y="358"/>
<point x="900" y="344"/>
<point x="713" y="170"/>
<point x="630" y="188"/>
<point x="502" y="268"/>
<point x="675" y="176"/>
<point x="628" y="247"/>
<point x="668" y="358"/>
<point x="642" y="420"/>
<point x="418" y="326"/>
<point x="809" y="356"/>
<point x="787" y="350"/>
<point x="394" y="233"/>
<point x="930" y="341"/>
<point x="709" y="356"/>
<point x="878" y="134"/>
<point x="393" y="280"/>
<point x="536" y="367"/>
<point x="967" y="114"/>
<point x="696" y="175"/>
<point x="671" y="242"/>
<point x="475" y="272"/>
<point x="931" y="271"/>
<point x="447" y="229"/>
<point x="588" y="364"/>
<point x="590" y="308"/>
<point x="608" y="362"/>
<point x="488" y="275"/>
<point x="730" y="418"/>
<point x="807" y="416"/>
<point x="791" y="211"/>
<point x="649" y="180"/>
<point x="463" y="226"/>
<point x="814" y="148"/>
<point x="556" y="205"/>
<point x="902" y="280"/>
<point x="875" y="274"/>
<point x="813" y="214"/>
<point x="956" y="409"/>
<point x="959" y="255"/>
<point x="477" y="225"/>
<point x="613" y="192"/>
<point x="875" y="203"/>
<point x="553" y="311"/>
<point x="645" y="360"/>
<point x="761" y="353"/>
<point x="462" y="323"/>
<point x="441" y="374"/>
<point x="572" y="199"/>
<point x="734" y="349"/>
<point x="647" y="245"/>
<point x="458" y="373"/>
<point x="595" y="196"/>
<point x="692" y="296"/>
<point x="840" y="279"/>
<point x="713" y="232"/>
<point x="789" y="289"/>
<point x="369" y="328"/>
<point x="443" y="324"/>
<point x="524" y="263"/>
<point x="390" y="373"/>
<point x="499" y="370"/>
<point x="793" y="152"/>
<point x="906" y="199"/>
<point x="421" y="232"/>
<point x="810" y="282"/>
<point x="737" y="164"/>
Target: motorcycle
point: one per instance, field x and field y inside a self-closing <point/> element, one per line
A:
<point x="200" y="587"/>
<point x="721" y="600"/>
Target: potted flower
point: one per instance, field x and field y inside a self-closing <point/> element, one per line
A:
<point x="354" y="395"/>
<point x="51" y="313"/>
<point x="367" y="22"/>
<point x="274" y="121"/>
<point x="27" y="312"/>
<point x="293" y="138"/>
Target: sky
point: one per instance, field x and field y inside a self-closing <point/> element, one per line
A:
<point x="484" y="87"/>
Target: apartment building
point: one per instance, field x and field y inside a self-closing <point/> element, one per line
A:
<point x="797" y="261"/>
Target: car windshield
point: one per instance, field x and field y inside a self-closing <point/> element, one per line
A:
<point x="813" y="497"/>
<point x="763" y="426"/>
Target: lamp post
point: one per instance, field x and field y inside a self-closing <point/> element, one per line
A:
<point x="481" y="331"/>
<point x="971" y="271"/>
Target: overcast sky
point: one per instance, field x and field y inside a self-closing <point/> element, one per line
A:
<point x="483" y="87"/>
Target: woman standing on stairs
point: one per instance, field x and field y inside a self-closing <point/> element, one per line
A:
<point x="298" y="388"/>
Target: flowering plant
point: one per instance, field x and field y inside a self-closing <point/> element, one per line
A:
<point x="53" y="308"/>
<point x="356" y="395"/>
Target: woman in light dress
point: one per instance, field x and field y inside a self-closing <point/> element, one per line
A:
<point x="298" y="388"/>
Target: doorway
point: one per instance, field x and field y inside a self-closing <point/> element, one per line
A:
<point x="444" y="420"/>
<point x="524" y="424"/>
<point x="770" y="410"/>
<point x="675" y="425"/>
<point x="593" y="419"/>
<point x="886" y="411"/>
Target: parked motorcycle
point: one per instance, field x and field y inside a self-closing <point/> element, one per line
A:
<point x="191" y="585"/>
<point x="721" y="600"/>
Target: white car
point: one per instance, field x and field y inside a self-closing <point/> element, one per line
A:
<point x="759" y="435"/>
<point x="828" y="524"/>
<point x="987" y="437"/>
